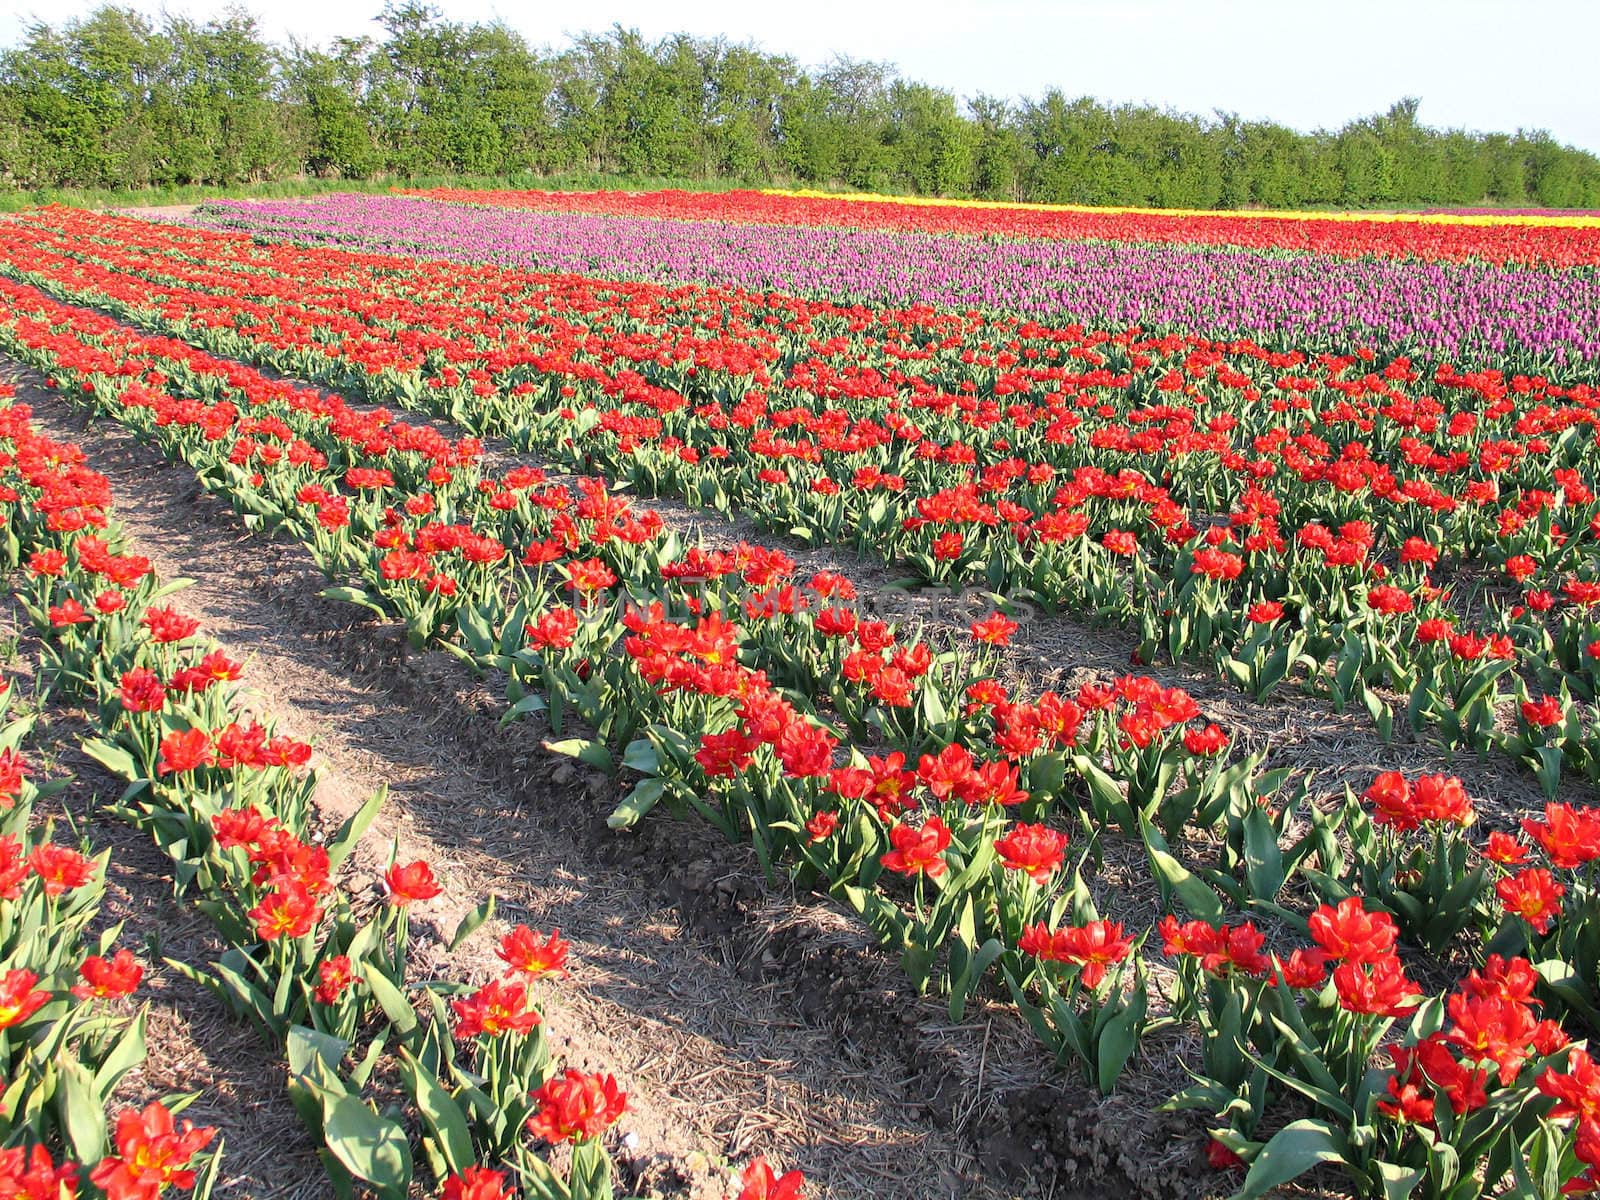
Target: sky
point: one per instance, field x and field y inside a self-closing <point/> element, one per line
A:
<point x="1476" y="64"/>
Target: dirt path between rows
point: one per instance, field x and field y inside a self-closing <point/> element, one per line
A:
<point x="719" y="1066"/>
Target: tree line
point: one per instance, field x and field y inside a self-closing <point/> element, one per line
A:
<point x="114" y="100"/>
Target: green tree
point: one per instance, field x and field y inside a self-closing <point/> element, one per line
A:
<point x="1001" y="157"/>
<point x="325" y="91"/>
<point x="114" y="100"/>
<point x="931" y="144"/>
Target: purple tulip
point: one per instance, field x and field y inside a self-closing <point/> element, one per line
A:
<point x="1537" y="317"/>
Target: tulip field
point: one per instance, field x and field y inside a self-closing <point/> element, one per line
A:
<point x="1341" y="467"/>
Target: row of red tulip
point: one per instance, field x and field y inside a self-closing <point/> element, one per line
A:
<point x="67" y="1038"/>
<point x="229" y="801"/>
<point x="1322" y="571"/>
<point x="1089" y="1009"/>
<point x="577" y="596"/>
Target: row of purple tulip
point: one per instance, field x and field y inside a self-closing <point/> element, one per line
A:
<point x="1529" y="320"/>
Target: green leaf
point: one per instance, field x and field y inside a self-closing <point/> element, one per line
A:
<point x="1329" y="888"/>
<point x="370" y="1147"/>
<point x="1263" y="860"/>
<point x="590" y="1176"/>
<point x="226" y="981"/>
<point x="641" y="756"/>
<point x="1565" y="981"/>
<point x="636" y="803"/>
<point x="206" y="1182"/>
<point x="593" y="753"/>
<point x="1047" y="773"/>
<point x="82" y="1110"/>
<point x="1547" y="769"/>
<point x="472" y="922"/>
<point x="475" y="630"/>
<point x="528" y="704"/>
<point x="1399" y="1183"/>
<point x="392" y="1000"/>
<point x="11" y="736"/>
<point x="1325" y="1092"/>
<point x="350" y="832"/>
<point x="1200" y="900"/>
<point x="113" y="758"/>
<point x="443" y="1115"/>
<point x="351" y="595"/>
<point x="1293" y="1150"/>
<point x="171" y="586"/>
<point x="128" y="1053"/>
<point x="305" y="1046"/>
<point x="368" y="1063"/>
<point x="1108" y="800"/>
<point x="1116" y="1045"/>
